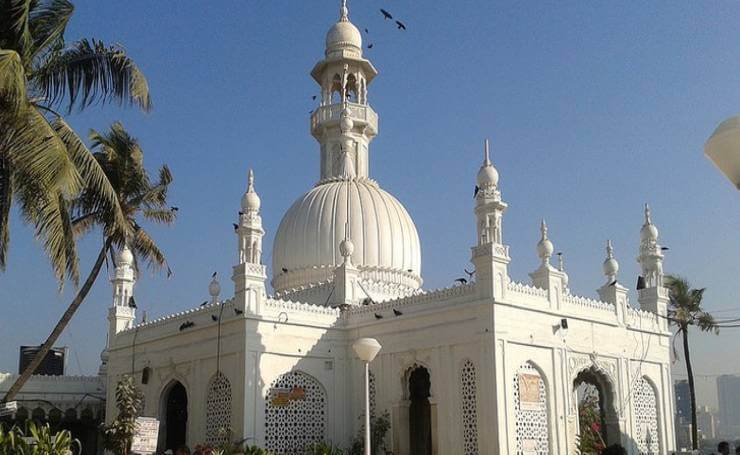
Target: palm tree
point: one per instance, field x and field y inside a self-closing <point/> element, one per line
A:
<point x="121" y="160"/>
<point x="42" y="165"/>
<point x="685" y="310"/>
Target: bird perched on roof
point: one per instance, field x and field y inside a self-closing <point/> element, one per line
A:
<point x="214" y="317"/>
<point x="461" y="281"/>
<point x="475" y="192"/>
<point x="236" y="226"/>
<point x="397" y="312"/>
<point x="400" y="25"/>
<point x="378" y="316"/>
<point x="186" y="325"/>
<point x="131" y="302"/>
<point x="386" y="14"/>
<point x="204" y="303"/>
<point x="238" y="311"/>
<point x="284" y="270"/>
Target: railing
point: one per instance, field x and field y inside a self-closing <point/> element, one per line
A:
<point x="332" y="112"/>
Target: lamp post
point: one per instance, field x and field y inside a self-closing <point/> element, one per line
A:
<point x="366" y="349"/>
<point x="723" y="149"/>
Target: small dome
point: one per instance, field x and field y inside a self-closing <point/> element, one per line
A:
<point x="487" y="176"/>
<point x="610" y="267"/>
<point x="343" y="35"/>
<point x="545" y="248"/>
<point x="124" y="257"/>
<point x="250" y="202"/>
<point x="648" y="232"/>
<point x="214" y="288"/>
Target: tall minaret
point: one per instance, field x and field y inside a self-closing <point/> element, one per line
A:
<point x="122" y="313"/>
<point x="344" y="122"/>
<point x="249" y="274"/>
<point x="490" y="256"/>
<point x="654" y="297"/>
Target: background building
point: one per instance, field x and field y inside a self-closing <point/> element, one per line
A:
<point x="728" y="395"/>
<point x="54" y="364"/>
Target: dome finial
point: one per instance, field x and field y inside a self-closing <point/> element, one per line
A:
<point x="544" y="246"/>
<point x="610" y="266"/>
<point x="487" y="156"/>
<point x="250" y="181"/>
<point x="344" y="12"/>
<point x="647" y="214"/>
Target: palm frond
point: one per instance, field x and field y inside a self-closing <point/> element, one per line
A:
<point x="47" y="24"/>
<point x="89" y="72"/>
<point x="14" y="29"/>
<point x="164" y="216"/>
<point x="100" y="193"/>
<point x="12" y="81"/>
<point x="145" y="248"/>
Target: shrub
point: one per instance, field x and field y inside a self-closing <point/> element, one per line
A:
<point x="379" y="426"/>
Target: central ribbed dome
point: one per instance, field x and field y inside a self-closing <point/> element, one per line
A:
<point x="386" y="244"/>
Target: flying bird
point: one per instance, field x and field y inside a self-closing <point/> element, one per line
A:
<point x="313" y="97"/>
<point x="461" y="281"/>
<point x="469" y="273"/>
<point x="366" y="31"/>
<point x="367" y="301"/>
<point x="664" y="248"/>
<point x="378" y="316"/>
<point x="475" y="193"/>
<point x="214" y="275"/>
<point x="397" y="312"/>
<point x="370" y="46"/>
<point x="204" y="303"/>
<point x="400" y="25"/>
<point x="386" y="14"/>
<point x="132" y="302"/>
<point x="174" y="208"/>
<point x="214" y="317"/>
<point x="238" y="311"/>
<point x="236" y="226"/>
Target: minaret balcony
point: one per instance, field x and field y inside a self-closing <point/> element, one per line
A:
<point x="328" y="116"/>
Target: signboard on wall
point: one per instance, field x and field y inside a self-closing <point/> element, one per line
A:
<point x="282" y="396"/>
<point x="146" y="436"/>
<point x="529" y="392"/>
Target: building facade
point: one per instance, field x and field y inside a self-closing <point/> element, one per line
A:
<point x="728" y="395"/>
<point x="488" y="366"/>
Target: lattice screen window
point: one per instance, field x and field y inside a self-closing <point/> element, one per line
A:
<point x="372" y="394"/>
<point x="295" y="413"/>
<point x="469" y="398"/>
<point x="531" y="411"/>
<point x="218" y="410"/>
<point x="645" y="411"/>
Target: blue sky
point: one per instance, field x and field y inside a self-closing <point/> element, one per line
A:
<point x="593" y="108"/>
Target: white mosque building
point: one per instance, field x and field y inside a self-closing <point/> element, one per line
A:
<point x="488" y="366"/>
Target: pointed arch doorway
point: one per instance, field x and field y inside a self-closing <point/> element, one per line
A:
<point x="420" y="412"/>
<point x="174" y="416"/>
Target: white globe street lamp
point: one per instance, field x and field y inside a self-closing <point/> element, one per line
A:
<point x="723" y="149"/>
<point x="366" y="349"/>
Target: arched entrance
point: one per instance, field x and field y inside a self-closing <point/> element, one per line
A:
<point x="175" y="415"/>
<point x="420" y="412"/>
<point x="597" y="418"/>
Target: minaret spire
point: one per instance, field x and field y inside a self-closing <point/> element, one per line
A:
<point x="344" y="12"/>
